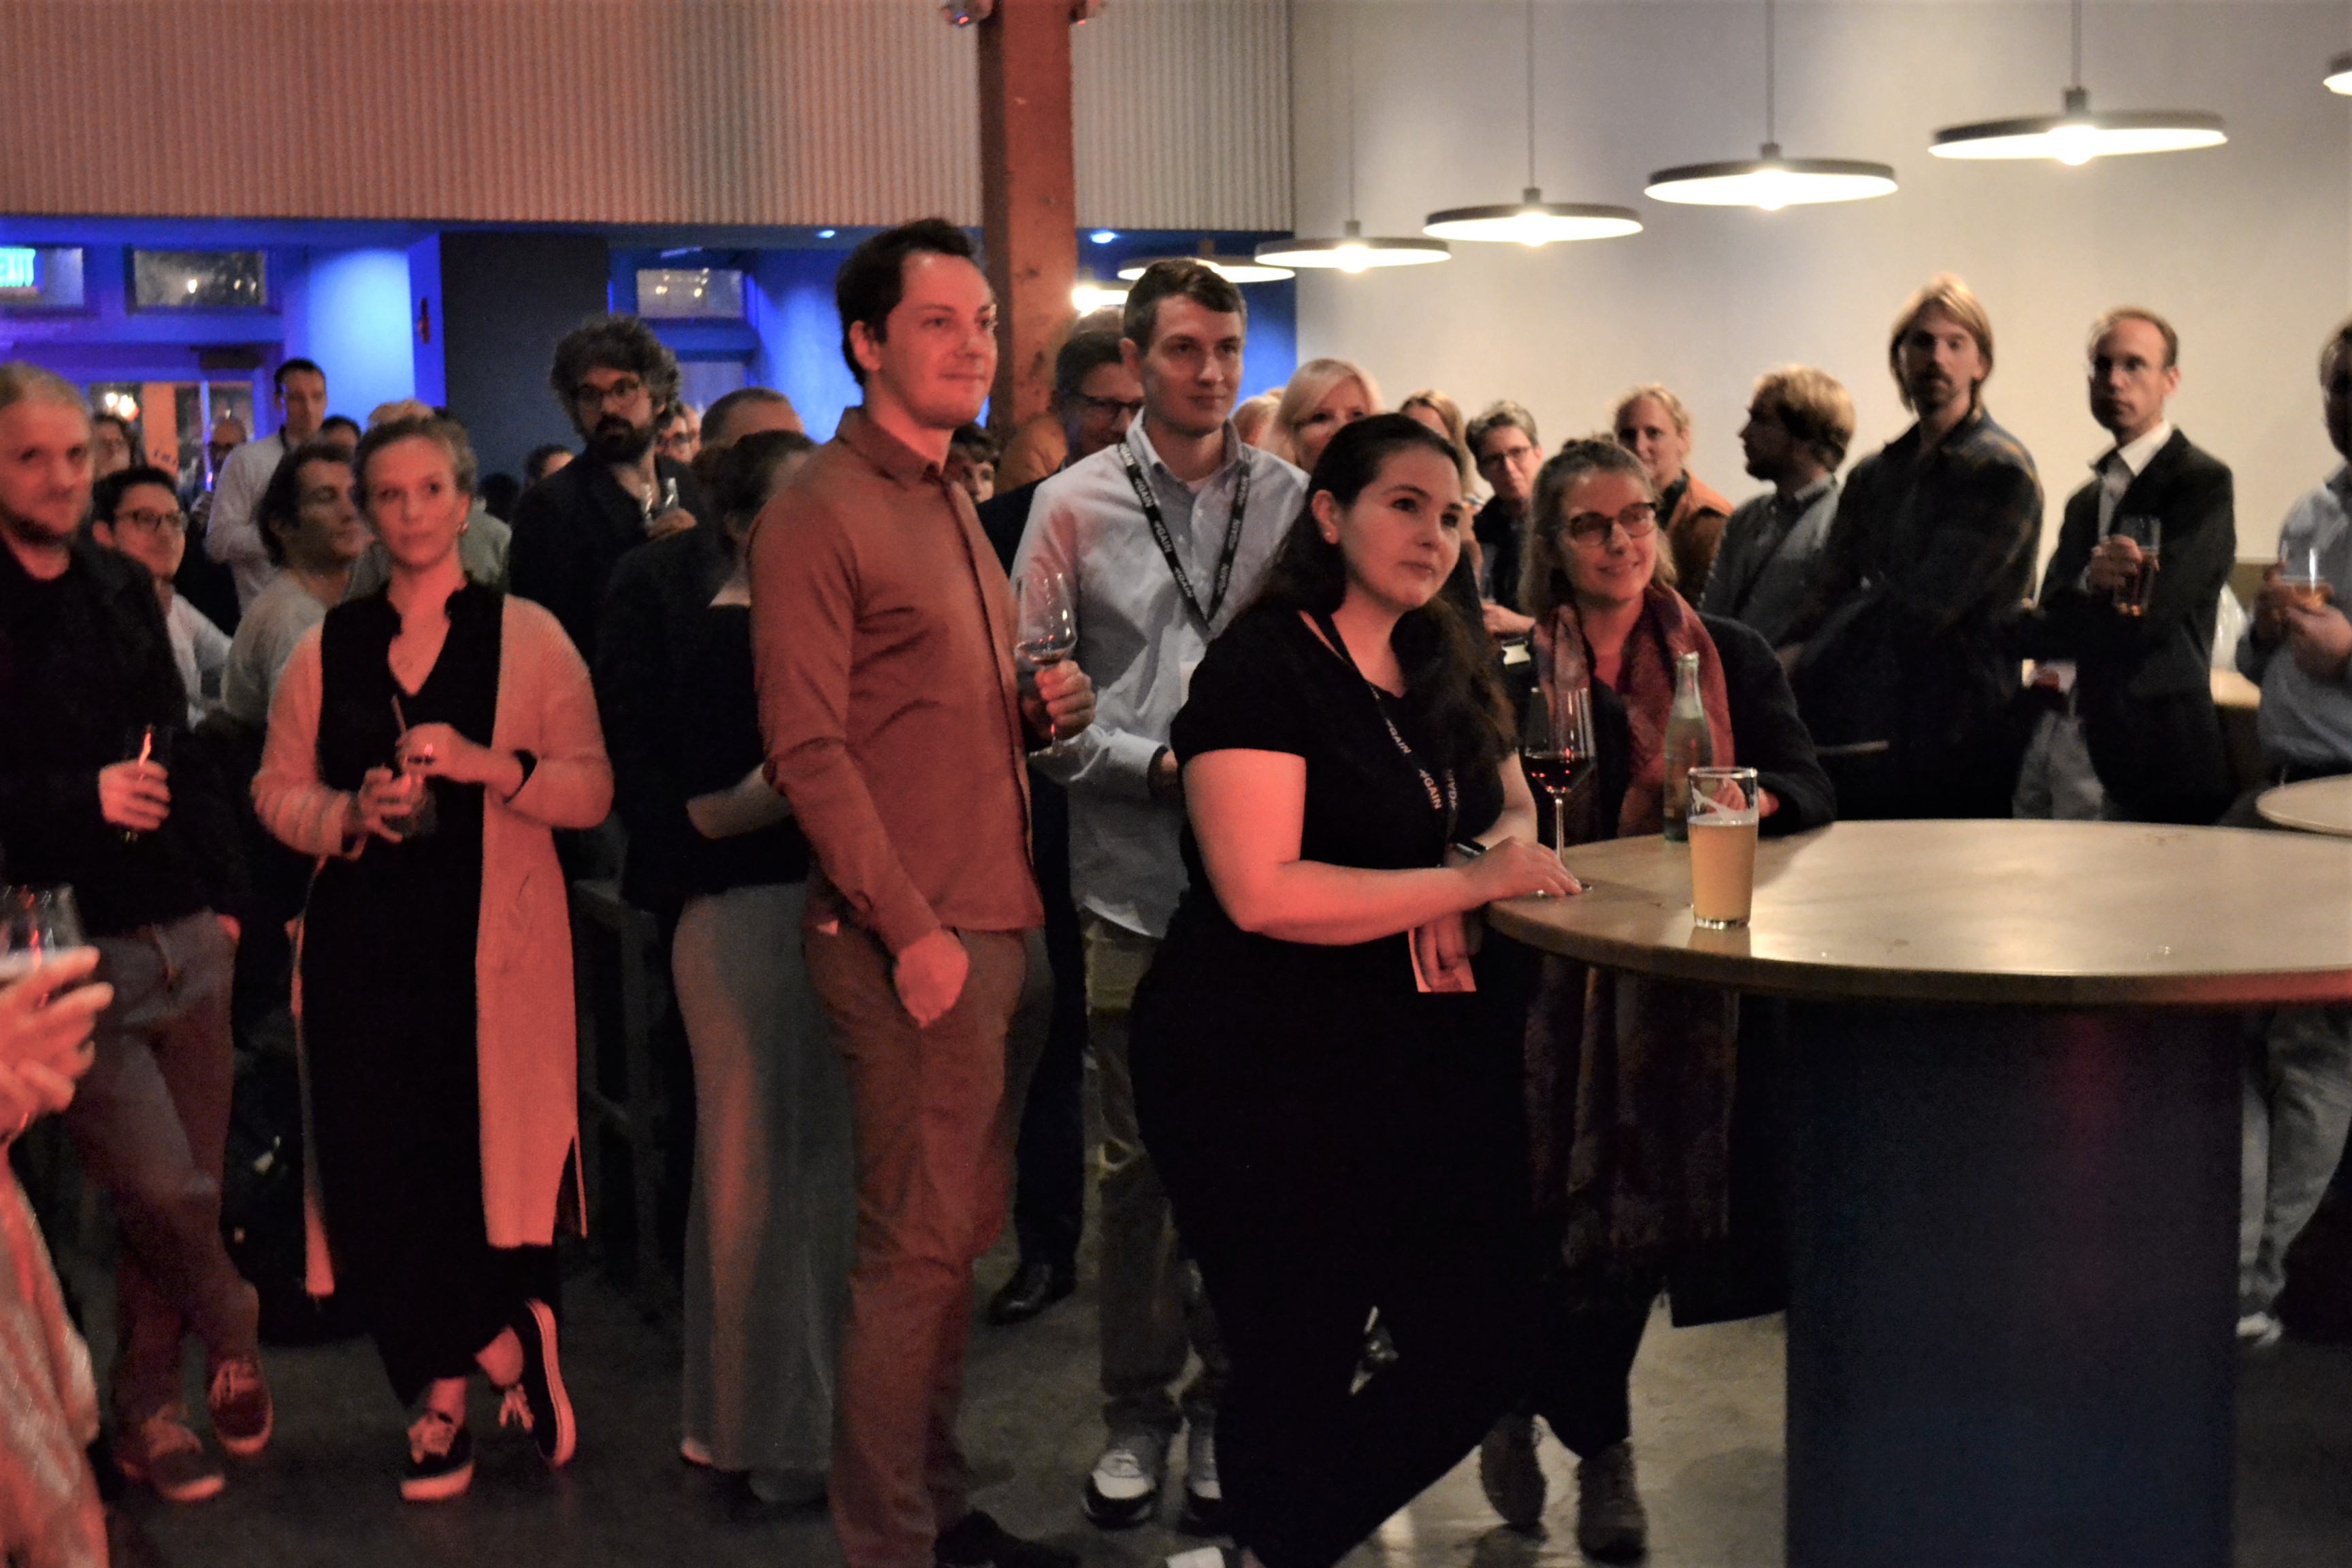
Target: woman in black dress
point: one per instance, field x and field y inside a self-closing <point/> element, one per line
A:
<point x="1339" y="1128"/>
<point x="422" y="743"/>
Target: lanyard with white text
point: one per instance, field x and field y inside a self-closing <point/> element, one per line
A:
<point x="1160" y="536"/>
<point x="1448" y="805"/>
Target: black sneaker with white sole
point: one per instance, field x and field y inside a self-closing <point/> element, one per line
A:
<point x="537" y="1400"/>
<point x="1123" y="1489"/>
<point x="440" y="1459"/>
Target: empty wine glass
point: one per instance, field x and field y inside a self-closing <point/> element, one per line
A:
<point x="1048" y="625"/>
<point x="1556" y="750"/>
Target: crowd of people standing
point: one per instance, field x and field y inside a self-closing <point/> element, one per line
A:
<point x="1375" y="1187"/>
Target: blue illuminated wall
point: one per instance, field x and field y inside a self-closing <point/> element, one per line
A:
<point x="355" y="317"/>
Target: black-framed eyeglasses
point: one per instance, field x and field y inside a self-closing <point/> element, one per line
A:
<point x="1638" y="521"/>
<point x="1108" y="407"/>
<point x="153" y="521"/>
<point x="621" y="391"/>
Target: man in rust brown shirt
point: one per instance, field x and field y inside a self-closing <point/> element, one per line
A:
<point x="896" y="727"/>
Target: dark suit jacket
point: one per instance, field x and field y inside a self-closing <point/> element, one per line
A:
<point x="1004" y="518"/>
<point x="572" y="527"/>
<point x="2143" y="684"/>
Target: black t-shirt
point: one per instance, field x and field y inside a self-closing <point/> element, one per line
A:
<point x="1270" y="684"/>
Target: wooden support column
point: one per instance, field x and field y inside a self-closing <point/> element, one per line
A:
<point x="1028" y="183"/>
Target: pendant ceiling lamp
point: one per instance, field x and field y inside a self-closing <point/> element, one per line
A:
<point x="1351" y="252"/>
<point x="2078" y="134"/>
<point x="1768" y="180"/>
<point x="1232" y="268"/>
<point x="1531" y="220"/>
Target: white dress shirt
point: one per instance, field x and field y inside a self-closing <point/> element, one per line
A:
<point x="232" y="534"/>
<point x="2301" y="720"/>
<point x="1139" y="643"/>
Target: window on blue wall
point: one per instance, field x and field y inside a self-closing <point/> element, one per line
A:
<point x="41" y="278"/>
<point x="199" y="280"/>
<point x="699" y="293"/>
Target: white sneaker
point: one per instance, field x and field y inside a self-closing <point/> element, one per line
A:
<point x="2260" y="1331"/>
<point x="1124" y="1488"/>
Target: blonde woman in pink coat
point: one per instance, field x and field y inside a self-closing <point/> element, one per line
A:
<point x="423" y="742"/>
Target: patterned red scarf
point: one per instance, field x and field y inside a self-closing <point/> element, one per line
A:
<point x="1646" y="681"/>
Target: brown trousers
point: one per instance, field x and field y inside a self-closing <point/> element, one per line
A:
<point x="934" y="1115"/>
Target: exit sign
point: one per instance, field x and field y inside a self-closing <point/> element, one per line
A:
<point x="16" y="267"/>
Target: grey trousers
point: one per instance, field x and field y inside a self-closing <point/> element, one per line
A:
<point x="772" y="1224"/>
<point x="1154" y="1313"/>
<point x="150" y="1123"/>
<point x="2298" y="1106"/>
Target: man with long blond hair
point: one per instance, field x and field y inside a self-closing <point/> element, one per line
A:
<point x="1905" y="671"/>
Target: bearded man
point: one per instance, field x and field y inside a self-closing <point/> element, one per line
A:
<point x="613" y="376"/>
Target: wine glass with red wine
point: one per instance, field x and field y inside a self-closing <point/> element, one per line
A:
<point x="1556" y="750"/>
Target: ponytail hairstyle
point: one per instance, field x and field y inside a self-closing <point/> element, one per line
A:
<point x="1451" y="690"/>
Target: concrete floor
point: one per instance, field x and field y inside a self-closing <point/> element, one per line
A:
<point x="1708" y="1414"/>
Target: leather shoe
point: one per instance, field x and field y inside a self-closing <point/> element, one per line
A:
<point x="1032" y="1287"/>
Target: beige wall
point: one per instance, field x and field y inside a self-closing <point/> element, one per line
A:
<point x="2247" y="248"/>
<point x="717" y="111"/>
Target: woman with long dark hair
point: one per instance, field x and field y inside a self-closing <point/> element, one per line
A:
<point x="423" y="742"/>
<point x="1339" y="1129"/>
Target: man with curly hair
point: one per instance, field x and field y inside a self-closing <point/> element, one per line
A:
<point x="613" y="377"/>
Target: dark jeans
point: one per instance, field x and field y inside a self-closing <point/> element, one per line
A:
<point x="150" y="1123"/>
<point x="1393" y="1177"/>
<point x="1049" y="1198"/>
<point x="1585" y="1384"/>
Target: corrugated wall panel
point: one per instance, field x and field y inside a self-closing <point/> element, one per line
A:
<point x="1181" y="115"/>
<point x="722" y="111"/>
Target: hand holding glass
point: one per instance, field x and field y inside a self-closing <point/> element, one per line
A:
<point x="2131" y="595"/>
<point x="2304" y="587"/>
<point x="1722" y="820"/>
<point x="1046" y="626"/>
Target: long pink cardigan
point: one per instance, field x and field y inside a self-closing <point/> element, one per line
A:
<point x="527" y="1052"/>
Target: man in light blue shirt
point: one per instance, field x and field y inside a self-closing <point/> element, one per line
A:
<point x="2298" y="1094"/>
<point x="1163" y="539"/>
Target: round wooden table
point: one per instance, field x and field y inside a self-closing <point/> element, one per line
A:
<point x="2314" y="806"/>
<point x="2014" y="1098"/>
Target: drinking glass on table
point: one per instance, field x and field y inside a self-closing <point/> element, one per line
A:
<point x="1723" y="821"/>
<point x="1556" y="751"/>
<point x="1046" y="629"/>
<point x="2131" y="595"/>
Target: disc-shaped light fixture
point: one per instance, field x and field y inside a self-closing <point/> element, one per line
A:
<point x="1351" y="252"/>
<point x="2339" y="75"/>
<point x="1532" y="221"/>
<point x="1768" y="180"/>
<point x="1232" y="268"/>
<point x="1771" y="182"/>
<point x="2078" y="134"/>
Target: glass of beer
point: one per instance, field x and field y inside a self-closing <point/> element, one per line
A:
<point x="1723" y="818"/>
<point x="2131" y="597"/>
<point x="2299" y="574"/>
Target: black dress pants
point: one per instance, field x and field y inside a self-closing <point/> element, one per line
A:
<point x="1374" y="1158"/>
<point x="1585" y="1384"/>
<point x="1049" y="1193"/>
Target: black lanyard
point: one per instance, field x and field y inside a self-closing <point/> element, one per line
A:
<point x="1447" y="805"/>
<point x="1167" y="543"/>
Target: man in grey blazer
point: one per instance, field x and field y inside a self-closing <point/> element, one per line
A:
<point x="1799" y="421"/>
